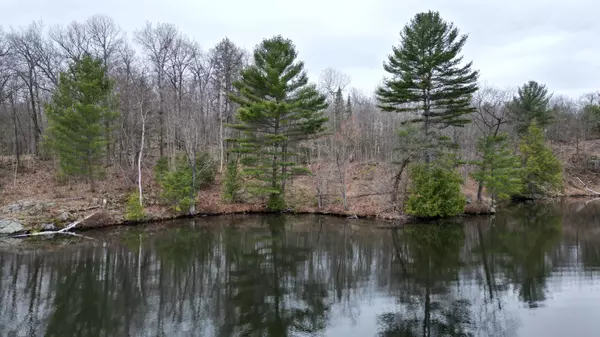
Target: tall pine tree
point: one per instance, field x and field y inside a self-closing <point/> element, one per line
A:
<point x="428" y="77"/>
<point x="532" y="102"/>
<point x="278" y="108"/>
<point x="76" y="117"/>
<point x="338" y="110"/>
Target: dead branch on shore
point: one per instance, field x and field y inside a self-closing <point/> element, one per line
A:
<point x="586" y="187"/>
<point x="67" y="228"/>
<point x="368" y="195"/>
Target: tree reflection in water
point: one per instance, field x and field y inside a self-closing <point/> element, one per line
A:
<point x="296" y="276"/>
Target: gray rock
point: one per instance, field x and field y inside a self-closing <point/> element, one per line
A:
<point x="49" y="227"/>
<point x="10" y="226"/>
<point x="63" y="216"/>
<point x="30" y="206"/>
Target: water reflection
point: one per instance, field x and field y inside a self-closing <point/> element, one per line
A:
<point x="305" y="276"/>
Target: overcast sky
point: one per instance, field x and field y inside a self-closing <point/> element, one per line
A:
<point x="510" y="41"/>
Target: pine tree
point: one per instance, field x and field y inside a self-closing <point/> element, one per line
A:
<point x="76" y="118"/>
<point x="532" y="102"/>
<point x="348" y="106"/>
<point x="499" y="169"/>
<point x="278" y="108"/>
<point x="542" y="174"/>
<point x="427" y="75"/>
<point x="338" y="109"/>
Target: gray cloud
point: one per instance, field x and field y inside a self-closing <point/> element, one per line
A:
<point x="510" y="41"/>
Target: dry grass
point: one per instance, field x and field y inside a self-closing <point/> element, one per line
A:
<point x="368" y="193"/>
<point x="574" y="165"/>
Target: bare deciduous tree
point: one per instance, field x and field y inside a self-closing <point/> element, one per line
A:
<point x="158" y="42"/>
<point x="491" y="110"/>
<point x="331" y="80"/>
<point x="26" y="62"/>
<point x="228" y="60"/>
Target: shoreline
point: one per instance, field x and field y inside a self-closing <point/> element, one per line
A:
<point x="107" y="217"/>
<point x="47" y="204"/>
<point x="394" y="220"/>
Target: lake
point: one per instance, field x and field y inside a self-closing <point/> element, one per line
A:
<point x="529" y="271"/>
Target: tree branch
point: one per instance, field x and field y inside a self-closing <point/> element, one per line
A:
<point x="586" y="187"/>
<point x="67" y="228"/>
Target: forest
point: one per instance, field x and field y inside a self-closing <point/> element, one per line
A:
<point x="158" y="124"/>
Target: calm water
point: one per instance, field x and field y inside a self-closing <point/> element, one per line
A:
<point x="534" y="271"/>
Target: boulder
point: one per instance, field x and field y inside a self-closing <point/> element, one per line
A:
<point x="10" y="226"/>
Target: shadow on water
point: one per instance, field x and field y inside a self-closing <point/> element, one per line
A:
<point x="303" y="276"/>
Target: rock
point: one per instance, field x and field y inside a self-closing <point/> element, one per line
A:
<point x="48" y="227"/>
<point x="63" y="216"/>
<point x="31" y="207"/>
<point x="10" y="226"/>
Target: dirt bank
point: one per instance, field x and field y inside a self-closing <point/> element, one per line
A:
<point x="35" y="197"/>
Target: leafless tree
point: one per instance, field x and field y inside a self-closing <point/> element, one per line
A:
<point x="105" y="39"/>
<point x="5" y="71"/>
<point x="228" y="60"/>
<point x="144" y="106"/>
<point x="188" y="122"/>
<point x="26" y="63"/>
<point x="331" y="80"/>
<point x="72" y="40"/>
<point x="158" y="43"/>
<point x="344" y="145"/>
<point x="491" y="110"/>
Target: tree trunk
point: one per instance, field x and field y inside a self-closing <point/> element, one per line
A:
<point x="397" y="179"/>
<point x="283" y="169"/>
<point x="140" y="160"/>
<point x="274" y="175"/>
<point x="479" y="191"/>
<point x="91" y="180"/>
<point x="221" y="140"/>
<point x="34" y="119"/>
<point x="341" y="174"/>
<point x="193" y="196"/>
<point x="107" y="131"/>
<point x="161" y="117"/>
<point x="15" y="124"/>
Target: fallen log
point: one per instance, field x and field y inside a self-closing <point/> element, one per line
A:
<point x="586" y="187"/>
<point x="67" y="228"/>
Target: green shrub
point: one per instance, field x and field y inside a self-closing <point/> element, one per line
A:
<point x="232" y="184"/>
<point x="177" y="184"/>
<point x="134" y="211"/>
<point x="435" y="191"/>
<point x="206" y="169"/>
<point x="161" y="168"/>
<point x="276" y="202"/>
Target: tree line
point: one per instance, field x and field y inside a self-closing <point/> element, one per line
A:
<point x="82" y="95"/>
